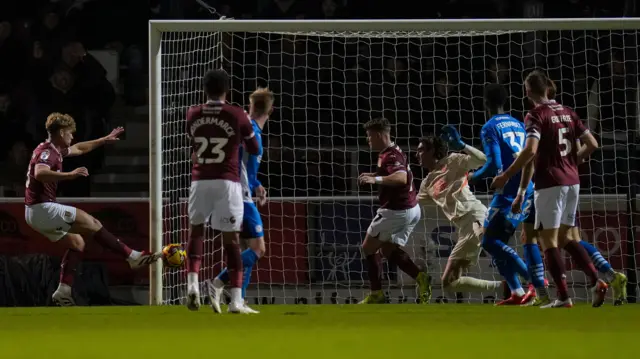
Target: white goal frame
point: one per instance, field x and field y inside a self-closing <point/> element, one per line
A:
<point x="337" y="27"/>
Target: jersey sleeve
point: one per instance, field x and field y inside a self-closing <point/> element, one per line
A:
<point x="533" y="125"/>
<point x="48" y="157"/>
<point x="392" y="163"/>
<point x="465" y="162"/>
<point x="246" y="133"/>
<point x="491" y="147"/>
<point x="253" y="164"/>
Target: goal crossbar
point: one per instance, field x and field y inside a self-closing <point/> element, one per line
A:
<point x="331" y="26"/>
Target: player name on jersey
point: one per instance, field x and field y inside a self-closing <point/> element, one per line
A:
<point x="557" y="127"/>
<point x="217" y="131"/>
<point x="225" y="126"/>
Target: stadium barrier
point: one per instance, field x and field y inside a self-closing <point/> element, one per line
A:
<point x="313" y="245"/>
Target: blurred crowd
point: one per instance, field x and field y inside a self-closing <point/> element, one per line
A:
<point x="46" y="66"/>
<point x="326" y="86"/>
<point x="400" y="9"/>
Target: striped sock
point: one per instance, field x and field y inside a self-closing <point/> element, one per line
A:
<point x="598" y="260"/>
<point x="535" y="265"/>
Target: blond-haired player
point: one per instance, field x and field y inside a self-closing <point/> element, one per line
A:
<point x="446" y="185"/>
<point x="66" y="225"/>
<point x="260" y="107"/>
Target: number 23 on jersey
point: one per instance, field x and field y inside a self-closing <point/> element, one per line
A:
<point x="211" y="150"/>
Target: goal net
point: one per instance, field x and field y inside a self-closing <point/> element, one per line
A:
<point x="331" y="78"/>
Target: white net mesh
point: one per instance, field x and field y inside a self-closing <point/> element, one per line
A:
<point x="328" y="84"/>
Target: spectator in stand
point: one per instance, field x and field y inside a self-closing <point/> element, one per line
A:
<point x="534" y="41"/>
<point x="11" y="56"/>
<point x="12" y="120"/>
<point x="132" y="77"/>
<point x="13" y="180"/>
<point x="609" y="113"/>
<point x="92" y="97"/>
<point x="498" y="72"/>
<point x="614" y="116"/>
<point x="333" y="9"/>
<point x="282" y="9"/>
<point x="50" y="32"/>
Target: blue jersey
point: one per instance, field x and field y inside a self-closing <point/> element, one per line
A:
<point x="249" y="165"/>
<point x="502" y="138"/>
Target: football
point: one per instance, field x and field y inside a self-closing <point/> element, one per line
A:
<point x="173" y="255"/>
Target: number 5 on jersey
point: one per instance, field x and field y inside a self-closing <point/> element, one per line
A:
<point x="563" y="141"/>
<point x="216" y="153"/>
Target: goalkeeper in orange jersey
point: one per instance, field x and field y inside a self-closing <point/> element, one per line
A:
<point x="446" y="186"/>
<point x="617" y="280"/>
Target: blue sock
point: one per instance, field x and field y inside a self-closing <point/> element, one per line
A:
<point x="509" y="275"/>
<point x="224" y="276"/>
<point x="499" y="250"/>
<point x="596" y="257"/>
<point x="534" y="264"/>
<point x="249" y="259"/>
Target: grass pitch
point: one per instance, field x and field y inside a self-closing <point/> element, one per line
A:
<point x="321" y="331"/>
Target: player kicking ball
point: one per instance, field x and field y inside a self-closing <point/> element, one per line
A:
<point x="398" y="214"/>
<point x="555" y="129"/>
<point x="65" y="225"/>
<point x="617" y="280"/>
<point x="446" y="185"/>
<point x="503" y="138"/>
<point x="217" y="130"/>
<point x="260" y="107"/>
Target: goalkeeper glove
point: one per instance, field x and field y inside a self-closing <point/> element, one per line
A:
<point x="451" y="136"/>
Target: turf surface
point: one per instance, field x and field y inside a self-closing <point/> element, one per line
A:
<point x="321" y="331"/>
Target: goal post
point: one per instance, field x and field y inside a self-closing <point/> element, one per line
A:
<point x="155" y="162"/>
<point x="180" y="50"/>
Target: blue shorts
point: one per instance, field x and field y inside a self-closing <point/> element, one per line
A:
<point x="251" y="222"/>
<point x="531" y="217"/>
<point x="501" y="223"/>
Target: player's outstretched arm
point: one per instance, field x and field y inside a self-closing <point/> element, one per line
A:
<point x="494" y="160"/>
<point x="395" y="179"/>
<point x="476" y="157"/>
<point x="454" y="141"/>
<point x="44" y="174"/>
<point x="82" y="148"/>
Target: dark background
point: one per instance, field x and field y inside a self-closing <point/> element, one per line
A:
<point x="326" y="86"/>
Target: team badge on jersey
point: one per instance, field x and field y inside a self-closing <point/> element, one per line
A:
<point x="44" y="155"/>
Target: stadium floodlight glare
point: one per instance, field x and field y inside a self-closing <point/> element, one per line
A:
<point x="263" y="52"/>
